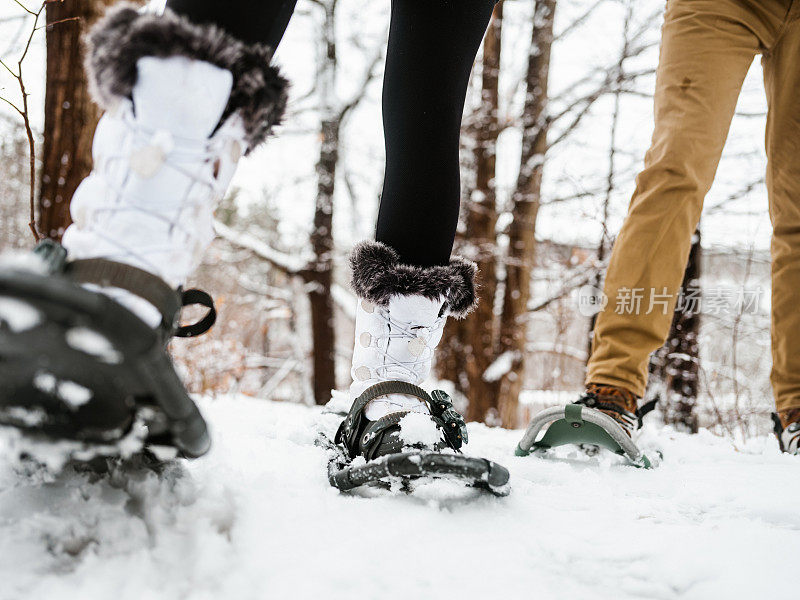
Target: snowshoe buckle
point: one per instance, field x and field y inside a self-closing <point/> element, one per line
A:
<point x="455" y="428"/>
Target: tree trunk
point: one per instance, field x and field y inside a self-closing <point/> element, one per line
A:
<point x="320" y="279"/>
<point x="70" y="116"/>
<point x="479" y="329"/>
<point x="680" y="355"/>
<point x="526" y="199"/>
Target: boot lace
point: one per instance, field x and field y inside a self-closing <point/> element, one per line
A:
<point x="197" y="160"/>
<point x="418" y="335"/>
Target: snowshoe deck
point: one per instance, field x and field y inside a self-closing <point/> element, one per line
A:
<point x="77" y="366"/>
<point x="579" y="425"/>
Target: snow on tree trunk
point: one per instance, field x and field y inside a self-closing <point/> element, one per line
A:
<point x="70" y="116"/>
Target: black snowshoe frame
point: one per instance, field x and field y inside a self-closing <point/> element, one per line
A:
<point x="402" y="466"/>
<point x="132" y="381"/>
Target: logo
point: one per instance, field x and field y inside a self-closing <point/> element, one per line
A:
<point x="591" y="300"/>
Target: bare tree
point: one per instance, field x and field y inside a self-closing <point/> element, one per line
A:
<point x="320" y="280"/>
<point x="525" y="207"/>
<point x="478" y="330"/>
<point x="22" y="110"/>
<point x="320" y="273"/>
<point x="317" y="269"/>
<point x="604" y="244"/>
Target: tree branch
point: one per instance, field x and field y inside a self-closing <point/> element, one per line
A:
<point x="288" y="263"/>
<point x="369" y="76"/>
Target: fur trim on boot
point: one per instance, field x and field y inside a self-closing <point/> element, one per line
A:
<point x="378" y="275"/>
<point x="124" y="35"/>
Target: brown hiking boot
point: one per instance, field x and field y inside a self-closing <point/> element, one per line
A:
<point x="788" y="430"/>
<point x="789" y="417"/>
<point x="616" y="402"/>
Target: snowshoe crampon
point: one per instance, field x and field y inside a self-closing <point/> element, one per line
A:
<point x="79" y="370"/>
<point x="575" y="424"/>
<point x="388" y="460"/>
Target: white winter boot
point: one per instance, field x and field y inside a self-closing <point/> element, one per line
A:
<point x="400" y="318"/>
<point x="89" y="365"/>
<point x="183" y="103"/>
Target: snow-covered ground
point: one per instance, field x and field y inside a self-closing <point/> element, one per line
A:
<point x="257" y="519"/>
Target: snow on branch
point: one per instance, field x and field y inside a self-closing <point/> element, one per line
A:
<point x="501" y="366"/>
<point x="290" y="264"/>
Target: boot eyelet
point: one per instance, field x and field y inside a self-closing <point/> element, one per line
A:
<point x="416" y="346"/>
<point x="147" y="161"/>
<point x="236" y="151"/>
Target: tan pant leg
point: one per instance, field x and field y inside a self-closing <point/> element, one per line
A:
<point x="707" y="48"/>
<point x="782" y="81"/>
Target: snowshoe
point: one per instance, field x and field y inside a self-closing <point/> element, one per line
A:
<point x="581" y="425"/>
<point x="80" y="370"/>
<point x="378" y="453"/>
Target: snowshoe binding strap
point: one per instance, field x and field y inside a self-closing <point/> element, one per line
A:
<point x="361" y="436"/>
<point x="106" y="273"/>
<point x="379" y="437"/>
<point x="627" y="419"/>
<point x="594" y="401"/>
<point x="149" y="287"/>
<point x="645" y="409"/>
<point x="201" y="298"/>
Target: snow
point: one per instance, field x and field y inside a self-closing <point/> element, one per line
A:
<point x="93" y="343"/>
<point x="45" y="382"/>
<point x="501" y="366"/>
<point x="417" y="428"/>
<point x="12" y="260"/>
<point x="18" y="315"/>
<point x="256" y="518"/>
<point x="27" y="416"/>
<point x="72" y="394"/>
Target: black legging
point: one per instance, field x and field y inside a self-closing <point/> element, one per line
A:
<point x="432" y="45"/>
